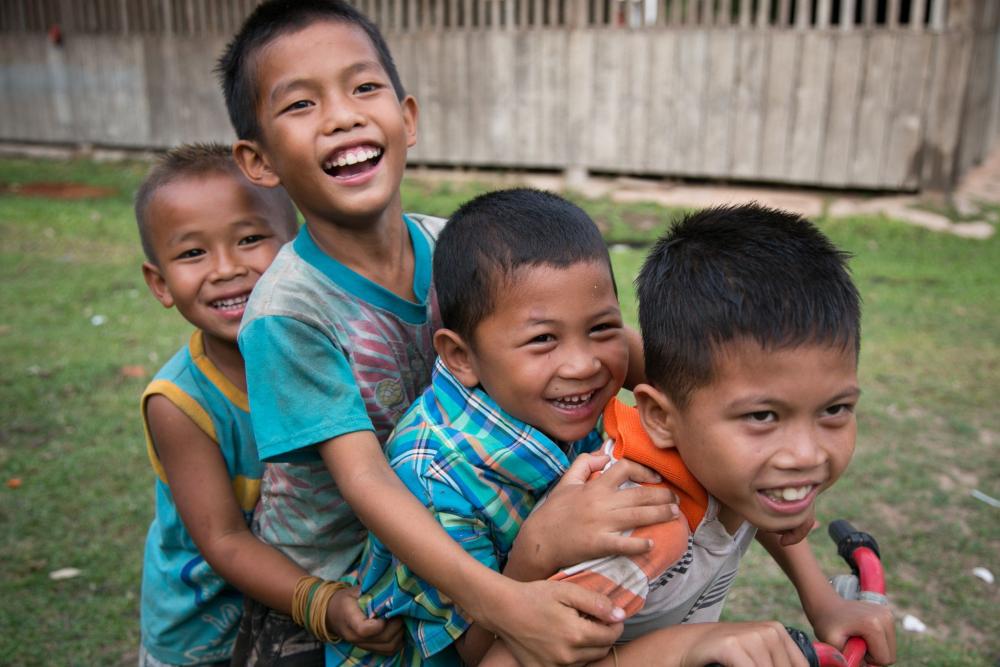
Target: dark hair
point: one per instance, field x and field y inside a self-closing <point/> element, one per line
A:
<point x="194" y="160"/>
<point x="237" y="67"/>
<point x="728" y="273"/>
<point x="492" y="236"/>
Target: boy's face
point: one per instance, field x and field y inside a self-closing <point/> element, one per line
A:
<point x="333" y="132"/>
<point x="214" y="236"/>
<point x="553" y="351"/>
<point x="773" y="429"/>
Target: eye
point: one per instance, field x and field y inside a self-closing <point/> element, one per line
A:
<point x="253" y="238"/>
<point x="761" y="417"/>
<point x="369" y="87"/>
<point x="839" y="410"/>
<point x="606" y="327"/>
<point x="191" y="254"/>
<point x="297" y="105"/>
<point x="541" y="339"/>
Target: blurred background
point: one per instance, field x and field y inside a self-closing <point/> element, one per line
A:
<point x="879" y="119"/>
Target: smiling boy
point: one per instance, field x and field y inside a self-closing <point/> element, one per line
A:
<point x="751" y="329"/>
<point x="338" y="334"/>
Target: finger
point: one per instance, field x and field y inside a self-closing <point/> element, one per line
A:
<point x="583" y="467"/>
<point x="628" y="518"/>
<point x="630" y="470"/>
<point x="589" y="603"/>
<point x="640" y="496"/>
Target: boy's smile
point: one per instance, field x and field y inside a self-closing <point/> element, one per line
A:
<point x="214" y="236"/>
<point x="553" y="351"/>
<point x="333" y="131"/>
<point x="773" y="429"/>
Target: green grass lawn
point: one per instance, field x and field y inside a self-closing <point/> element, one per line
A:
<point x="76" y="319"/>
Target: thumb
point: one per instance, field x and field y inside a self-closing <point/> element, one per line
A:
<point x="583" y="467"/>
<point x="370" y="627"/>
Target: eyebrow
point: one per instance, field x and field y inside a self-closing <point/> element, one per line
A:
<point x="763" y="399"/>
<point x="359" y="67"/>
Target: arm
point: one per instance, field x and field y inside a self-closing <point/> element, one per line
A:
<point x="589" y="517"/>
<point x="545" y="622"/>
<point x="203" y="493"/>
<point x="692" y="645"/>
<point x="833" y="618"/>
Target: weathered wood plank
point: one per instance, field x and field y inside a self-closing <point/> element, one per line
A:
<point x="717" y="104"/>
<point x="900" y="166"/>
<point x="875" y="108"/>
<point x="639" y="124"/>
<point x="608" y="106"/>
<point x="812" y="96"/>
<point x="782" y="72"/>
<point x="748" y="116"/>
<point x="661" y="154"/>
<point x="847" y="77"/>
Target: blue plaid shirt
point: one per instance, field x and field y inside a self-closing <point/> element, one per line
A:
<point x="480" y="471"/>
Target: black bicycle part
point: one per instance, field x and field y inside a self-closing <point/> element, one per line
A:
<point x="848" y="538"/>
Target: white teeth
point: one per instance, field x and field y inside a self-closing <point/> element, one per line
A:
<point x="572" y="401"/>
<point x="352" y="157"/>
<point x="230" y="303"/>
<point x="789" y="494"/>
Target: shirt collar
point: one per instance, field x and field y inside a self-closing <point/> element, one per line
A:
<point x="520" y="453"/>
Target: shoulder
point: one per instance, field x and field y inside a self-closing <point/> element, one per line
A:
<point x="291" y="287"/>
<point x="429" y="225"/>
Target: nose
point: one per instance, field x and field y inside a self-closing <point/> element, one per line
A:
<point x="802" y="448"/>
<point x="341" y="115"/>
<point x="579" y="363"/>
<point x="227" y="266"/>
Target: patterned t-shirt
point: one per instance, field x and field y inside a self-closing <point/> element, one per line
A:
<point x="329" y="352"/>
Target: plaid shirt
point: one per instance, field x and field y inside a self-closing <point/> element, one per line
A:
<point x="480" y="471"/>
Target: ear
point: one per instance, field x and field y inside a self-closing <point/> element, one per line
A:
<point x="658" y="415"/>
<point x="457" y="355"/>
<point x="254" y="163"/>
<point x="410" y="114"/>
<point x="157" y="284"/>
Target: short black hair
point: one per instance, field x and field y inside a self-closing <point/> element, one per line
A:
<point x="740" y="272"/>
<point x="192" y="161"/>
<point x="237" y="67"/>
<point x="492" y="236"/>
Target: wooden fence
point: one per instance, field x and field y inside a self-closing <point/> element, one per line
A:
<point x="883" y="94"/>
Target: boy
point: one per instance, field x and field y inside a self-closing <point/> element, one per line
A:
<point x="208" y="235"/>
<point x="530" y="351"/>
<point x="751" y="331"/>
<point x="339" y="329"/>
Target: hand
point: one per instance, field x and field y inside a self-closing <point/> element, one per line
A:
<point x="345" y="618"/>
<point x="554" y="623"/>
<point x="739" y="644"/>
<point x="589" y="516"/>
<point x="800" y="532"/>
<point x="838" y="619"/>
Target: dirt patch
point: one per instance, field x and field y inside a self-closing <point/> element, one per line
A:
<point x="55" y="190"/>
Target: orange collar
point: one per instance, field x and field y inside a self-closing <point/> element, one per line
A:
<point x="632" y="442"/>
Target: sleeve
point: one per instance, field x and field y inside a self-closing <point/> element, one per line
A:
<point x="390" y="589"/>
<point x="626" y="579"/>
<point x="301" y="389"/>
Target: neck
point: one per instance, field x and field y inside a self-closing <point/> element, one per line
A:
<point x="381" y="252"/>
<point x="226" y="356"/>
<point x="729" y="519"/>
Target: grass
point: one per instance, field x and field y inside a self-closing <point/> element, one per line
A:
<point x="75" y="316"/>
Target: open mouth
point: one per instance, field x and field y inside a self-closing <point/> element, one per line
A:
<point x="352" y="161"/>
<point x="788" y="494"/>
<point x="573" y="402"/>
<point x="232" y="303"/>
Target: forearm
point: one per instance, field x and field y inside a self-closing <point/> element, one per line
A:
<point x="801" y="567"/>
<point x="240" y="558"/>
<point x="406" y="527"/>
